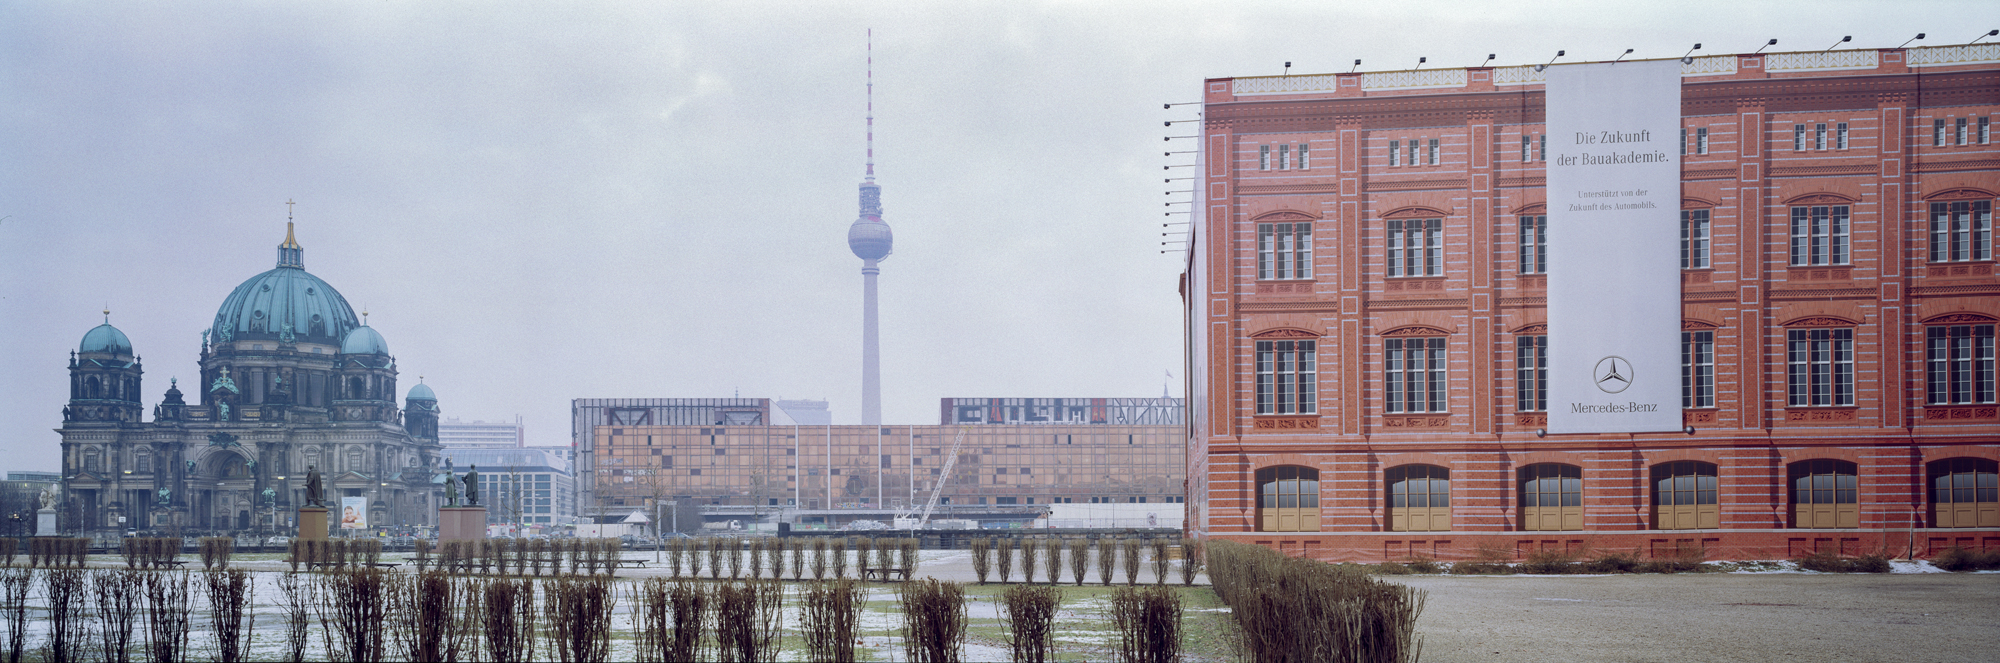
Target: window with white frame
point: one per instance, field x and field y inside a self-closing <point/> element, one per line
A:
<point x="1416" y="247"/>
<point x="1819" y="136"/>
<point x="1542" y="152"/>
<point x="1697" y="369"/>
<point x="1961" y="230"/>
<point x="1414" y="374"/>
<point x="1286" y="377"/>
<point x="1959" y="359"/>
<point x="1395" y="152"/>
<point x="1410" y="152"/>
<point x="1701" y="140"/>
<point x="1531" y="373"/>
<point x="1798" y="138"/>
<point x="1840" y="135"/>
<point x="1684" y="141"/>
<point x="1819" y="367"/>
<point x="1694" y="239"/>
<point x="1284" y="250"/>
<point x="1958" y="134"/>
<point x="1284" y="157"/>
<point x="1937" y="133"/>
<point x="1534" y="243"/>
<point x="1263" y="157"/>
<point x="1525" y="142"/>
<point x="1985" y="130"/>
<point x="1819" y="235"/>
<point x="1433" y="158"/>
<point x="1305" y="156"/>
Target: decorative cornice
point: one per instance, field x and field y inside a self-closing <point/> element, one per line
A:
<point x="1823" y="171"/>
<point x="1698" y="325"/>
<point x="1413" y="185"/>
<point x="1954" y="290"/>
<point x="1819" y="321"/>
<point x="1279" y="189"/>
<point x="1521" y="182"/>
<point x="1284" y="333"/>
<point x="1529" y="330"/>
<point x="1524" y="301"/>
<point x="1285" y="215"/>
<point x="1414" y="304"/>
<point x="1792" y="294"/>
<point x="1415" y="330"/>
<point x="1708" y="173"/>
<point x="1821" y="198"/>
<point x="1708" y="295"/>
<point x="1960" y="193"/>
<point x="1952" y="318"/>
<point x="1289" y="307"/>
<point x="1414" y="213"/>
<point x="1926" y="166"/>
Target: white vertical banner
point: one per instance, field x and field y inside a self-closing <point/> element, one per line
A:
<point x="354" y="513"/>
<point x="1614" y="193"/>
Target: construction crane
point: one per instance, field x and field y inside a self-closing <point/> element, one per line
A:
<point x="944" y="476"/>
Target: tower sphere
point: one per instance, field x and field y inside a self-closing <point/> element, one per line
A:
<point x="870" y="238"/>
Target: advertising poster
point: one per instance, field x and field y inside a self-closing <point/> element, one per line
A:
<point x="354" y="513"/>
<point x="1614" y="196"/>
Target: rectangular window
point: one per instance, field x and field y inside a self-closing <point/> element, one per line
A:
<point x="1961" y="230"/>
<point x="1535" y="244"/>
<point x="1819" y="235"/>
<point x="1684" y="141"/>
<point x="1798" y="138"/>
<point x="1434" y="151"/>
<point x="1284" y="157"/>
<point x="1305" y="156"/>
<point x="1960" y="131"/>
<point x="1840" y="135"/>
<point x="1525" y="140"/>
<point x="1697" y="369"/>
<point x="1959" y="360"/>
<point x="1416" y="247"/>
<point x="1284" y="250"/>
<point x="1287" y="377"/>
<point x="1937" y="132"/>
<point x="1819" y="367"/>
<point x="1410" y="152"/>
<point x="1701" y="141"/>
<point x="1531" y="373"/>
<point x="1414" y="374"/>
<point x="1985" y="131"/>
<point x="1819" y="136"/>
<point x="1542" y="152"/>
<point x="1694" y="239"/>
<point x="1263" y="157"/>
<point x="1395" y="152"/>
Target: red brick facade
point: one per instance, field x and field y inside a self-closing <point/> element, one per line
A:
<point x="1767" y="134"/>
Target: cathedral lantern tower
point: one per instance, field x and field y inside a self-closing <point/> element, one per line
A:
<point x="104" y="378"/>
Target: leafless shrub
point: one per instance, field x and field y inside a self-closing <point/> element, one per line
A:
<point x="798" y="547"/>
<point x="672" y="555"/>
<point x="819" y="558"/>
<point x="982" y="561"/>
<point x="839" y="558"/>
<point x="351" y="604"/>
<point x="7" y="546"/>
<point x="215" y="551"/>
<point x="115" y="595"/>
<point x="505" y="614"/>
<point x="167" y="616"/>
<point x="593" y="555"/>
<point x="1054" y="547"/>
<point x="165" y="550"/>
<point x="689" y="602"/>
<point x="933" y="621"/>
<point x="831" y="620"/>
<point x="1149" y="624"/>
<point x="538" y="552"/>
<point x="1960" y="559"/>
<point x="746" y="621"/>
<point x="734" y="546"/>
<point x="1030" y="551"/>
<point x="863" y="545"/>
<point x="1107" y="560"/>
<point x="1003" y="555"/>
<point x="1291" y="609"/>
<point x="343" y="553"/>
<point x="579" y="612"/>
<point x="756" y="559"/>
<point x="299" y="599"/>
<point x="1131" y="546"/>
<point x="521" y="556"/>
<point x="486" y="555"/>
<point x="503" y="550"/>
<point x="1160" y="561"/>
<point x="449" y="555"/>
<point x="129" y="548"/>
<point x="1686" y="556"/>
<point x="229" y="593"/>
<point x="885" y="553"/>
<point x="1191" y="561"/>
<point x="776" y="554"/>
<point x="295" y="547"/>
<point x="420" y="616"/>
<point x="1079" y="559"/>
<point x="907" y="557"/>
<point x="78" y="549"/>
<point x="66" y="624"/>
<point x="1030" y="615"/>
<point x="14" y="586"/>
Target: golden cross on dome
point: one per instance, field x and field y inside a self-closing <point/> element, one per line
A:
<point x="288" y="209"/>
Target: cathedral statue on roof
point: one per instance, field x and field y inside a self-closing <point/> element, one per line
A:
<point x="287" y="372"/>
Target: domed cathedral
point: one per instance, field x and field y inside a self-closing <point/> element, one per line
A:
<point x="290" y="379"/>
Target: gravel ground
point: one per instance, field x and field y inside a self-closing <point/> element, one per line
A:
<point x="1711" y="617"/>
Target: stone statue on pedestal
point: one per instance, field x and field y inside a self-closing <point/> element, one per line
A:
<point x="315" y="491"/>
<point x="450" y="489"/>
<point x="472" y="486"/>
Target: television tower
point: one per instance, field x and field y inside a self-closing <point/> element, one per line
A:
<point x="871" y="241"/>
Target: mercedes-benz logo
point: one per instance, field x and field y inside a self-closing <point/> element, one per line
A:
<point x="1613" y="374"/>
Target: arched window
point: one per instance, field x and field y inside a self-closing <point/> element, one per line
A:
<point x="1684" y="496"/>
<point x="93" y="388"/>
<point x="1288" y="499"/>
<point x="1419" y="498"/>
<point x="1551" y="497"/>
<point x="1824" y="494"/>
<point x="356" y="388"/>
<point x="1965" y="492"/>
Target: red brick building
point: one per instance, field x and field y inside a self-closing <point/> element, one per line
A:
<point x="1365" y="302"/>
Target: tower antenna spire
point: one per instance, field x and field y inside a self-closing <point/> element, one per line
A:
<point x="871" y="104"/>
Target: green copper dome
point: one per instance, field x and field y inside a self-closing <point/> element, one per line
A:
<point x="107" y="339"/>
<point x="421" y="393"/>
<point x="286" y="304"/>
<point x="363" y="340"/>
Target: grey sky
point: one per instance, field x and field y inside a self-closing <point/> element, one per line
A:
<point x="540" y="202"/>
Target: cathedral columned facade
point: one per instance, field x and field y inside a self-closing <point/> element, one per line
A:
<point x="290" y="379"/>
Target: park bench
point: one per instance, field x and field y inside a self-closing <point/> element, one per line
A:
<point x="883" y="572"/>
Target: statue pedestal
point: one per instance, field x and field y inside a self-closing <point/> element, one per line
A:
<point x="45" y="522"/>
<point x="312" y="523"/>
<point x="461" y="523"/>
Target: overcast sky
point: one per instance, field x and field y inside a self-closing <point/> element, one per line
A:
<point x="541" y="202"/>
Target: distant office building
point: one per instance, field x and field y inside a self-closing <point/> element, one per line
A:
<point x="823" y="469"/>
<point x="48" y="477"/>
<point x="529" y="486"/>
<point x="455" y="433"/>
<point x="587" y="414"/>
<point x="807" y="413"/>
<point x="1107" y="411"/>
